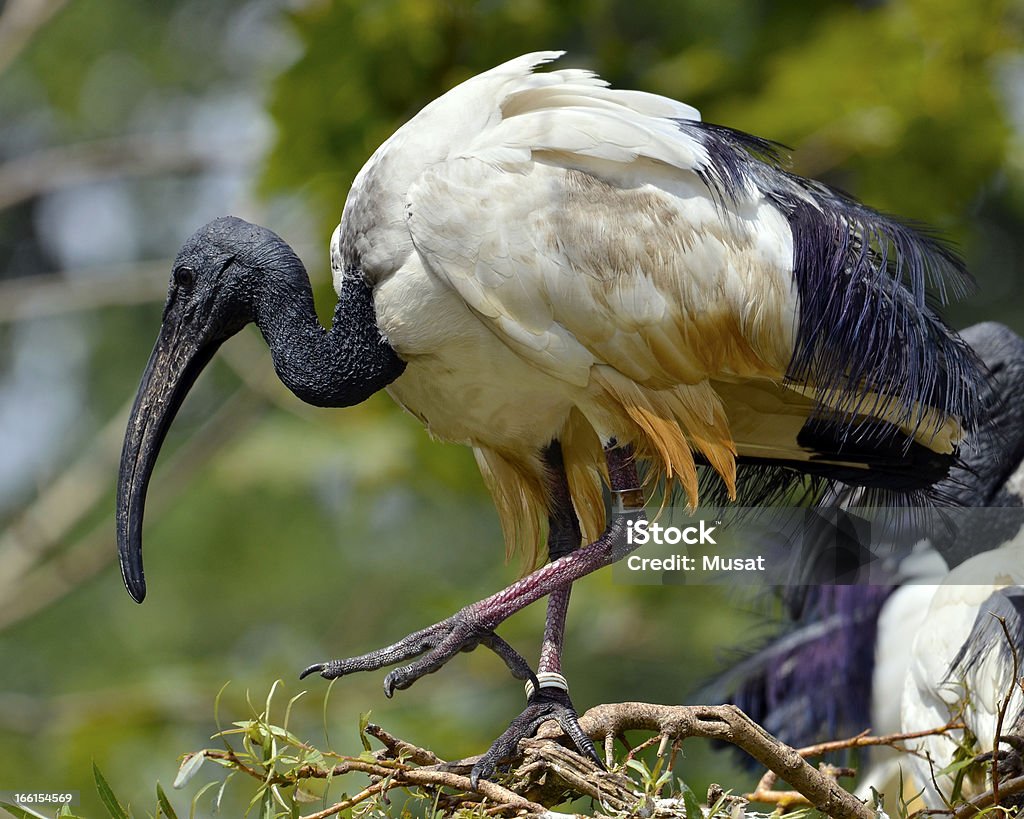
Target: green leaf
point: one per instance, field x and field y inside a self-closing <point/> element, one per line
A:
<point x="691" y="803"/>
<point x="282" y="733"/>
<point x="304" y="796"/>
<point x="189" y="767"/>
<point x="220" y="792"/>
<point x="216" y="703"/>
<point x="327" y="697"/>
<point x="107" y="797"/>
<point x="953" y="767"/>
<point x="364" y="720"/>
<point x="638" y="766"/>
<point x="288" y="709"/>
<point x="267" y="806"/>
<point x="164" y="803"/>
<point x="20" y="812"/>
<point x="195" y="799"/>
<point x="270" y="698"/>
<point x="216" y="717"/>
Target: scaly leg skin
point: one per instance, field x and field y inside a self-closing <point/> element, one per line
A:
<point x="1009" y="764"/>
<point x="548" y="700"/>
<point x="475" y="624"/>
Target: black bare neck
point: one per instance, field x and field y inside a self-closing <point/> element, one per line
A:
<point x="327" y="368"/>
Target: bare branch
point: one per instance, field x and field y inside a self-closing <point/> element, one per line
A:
<point x="729" y="724"/>
<point x="987" y="799"/>
<point x="1003" y="706"/>
<point x="48" y="170"/>
<point x="19" y="23"/>
<point x="546" y="773"/>
<point x="55" y="294"/>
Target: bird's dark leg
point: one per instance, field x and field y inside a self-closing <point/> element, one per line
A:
<point x="1009" y="764"/>
<point x="548" y="695"/>
<point x="564" y="537"/>
<point x="475" y="624"/>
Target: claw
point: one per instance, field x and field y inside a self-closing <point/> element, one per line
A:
<point x="313" y="669"/>
<point x="434" y="646"/>
<point x="545" y="704"/>
<point x="1009" y="763"/>
<point x="572" y="729"/>
<point x="480" y="771"/>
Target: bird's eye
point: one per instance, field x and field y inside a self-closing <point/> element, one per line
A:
<point x="184" y="276"/>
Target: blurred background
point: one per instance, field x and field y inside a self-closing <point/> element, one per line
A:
<point x="278" y="534"/>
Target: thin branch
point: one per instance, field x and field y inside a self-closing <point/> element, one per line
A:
<point x="987" y="799"/>
<point x="862" y="740"/>
<point x="74" y="291"/>
<point x="26" y="177"/>
<point x="20" y="21"/>
<point x="399" y="748"/>
<point x="1003" y="706"/>
<point x="395" y="773"/>
<point x="865" y="740"/>
<point x="728" y="723"/>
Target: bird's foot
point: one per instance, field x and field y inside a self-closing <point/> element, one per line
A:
<point x="437" y="644"/>
<point x="1009" y="763"/>
<point x="543" y="704"/>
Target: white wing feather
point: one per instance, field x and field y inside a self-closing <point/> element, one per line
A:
<point x="586" y="237"/>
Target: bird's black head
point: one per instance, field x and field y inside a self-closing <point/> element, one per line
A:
<point x="214" y="291"/>
<point x="996" y="450"/>
<point x="989" y="507"/>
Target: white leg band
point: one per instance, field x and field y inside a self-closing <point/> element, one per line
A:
<point x="548" y="679"/>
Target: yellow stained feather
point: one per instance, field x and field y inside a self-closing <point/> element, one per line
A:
<point x="517" y="487"/>
<point x="659" y="429"/>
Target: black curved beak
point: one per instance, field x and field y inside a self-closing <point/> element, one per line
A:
<point x="175" y="363"/>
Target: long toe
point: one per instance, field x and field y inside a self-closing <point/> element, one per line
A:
<point x="429" y="650"/>
<point x="544" y="704"/>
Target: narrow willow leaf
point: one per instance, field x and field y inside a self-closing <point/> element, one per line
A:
<point x="107" y="797"/>
<point x="327" y="697"/>
<point x="639" y="767"/>
<point x="282" y="733"/>
<point x="198" y="796"/>
<point x="20" y="812"/>
<point x="364" y="720"/>
<point x="164" y="803"/>
<point x="270" y="698"/>
<point x="288" y="709"/>
<point x="220" y="792"/>
<point x="189" y="767"/>
<point x="692" y="804"/>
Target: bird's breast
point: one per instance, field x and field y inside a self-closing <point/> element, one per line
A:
<point x="461" y="380"/>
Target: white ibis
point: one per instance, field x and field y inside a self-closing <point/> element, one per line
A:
<point x="913" y="657"/>
<point x="967" y="656"/>
<point x="564" y="276"/>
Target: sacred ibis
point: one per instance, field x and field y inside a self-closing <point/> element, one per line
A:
<point x="967" y="656"/>
<point x="572" y="280"/>
<point x="907" y="652"/>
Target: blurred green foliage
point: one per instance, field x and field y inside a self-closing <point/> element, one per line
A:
<point x="300" y="535"/>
